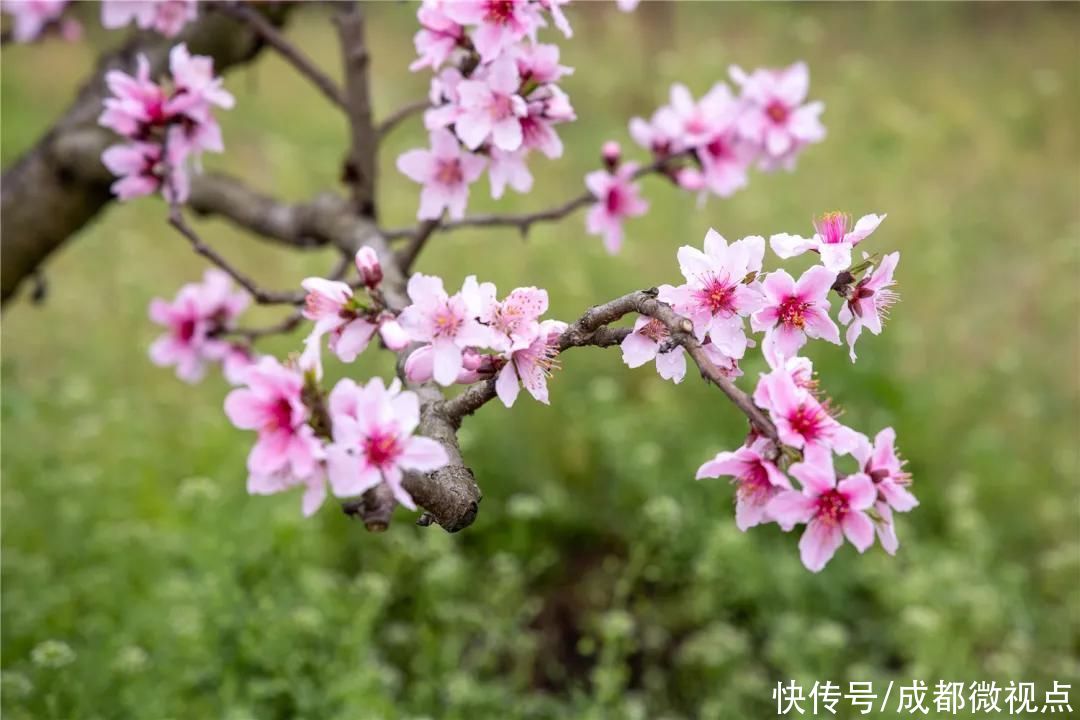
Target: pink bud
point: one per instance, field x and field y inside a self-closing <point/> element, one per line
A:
<point x="420" y="365"/>
<point x="392" y="334"/>
<point x="611" y="153"/>
<point x="471" y="359"/>
<point x="367" y="262"/>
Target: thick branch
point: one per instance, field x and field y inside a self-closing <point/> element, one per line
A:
<point x="360" y="166"/>
<point x="49" y="193"/>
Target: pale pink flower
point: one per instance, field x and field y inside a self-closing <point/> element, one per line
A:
<point x="794" y="312"/>
<point x="196" y="88"/>
<point x="420" y="366"/>
<point x="374" y="440"/>
<point x="725" y="160"/>
<point x="882" y="464"/>
<point x="662" y="135"/>
<point x="33" y="17"/>
<point x="555" y="8"/>
<point x="833" y="239"/>
<point x="447" y="322"/>
<point x="167" y="17"/>
<point x="544" y="109"/>
<point x="645" y="343"/>
<point x="617" y="198"/>
<point x="287" y="453"/>
<point x="490" y="107"/>
<point x="869" y="301"/>
<point x="367" y="264"/>
<point x="513" y="321"/>
<point x="539" y="64"/>
<point x="444" y="99"/>
<point x="445" y="172"/>
<point x="831" y="510"/>
<point x="438" y="36"/>
<point x="757" y="479"/>
<point x="238" y="358"/>
<point x="509" y="168"/>
<point x="531" y="361"/>
<point x="500" y="23"/>
<point x="773" y="114"/>
<point x="719" y="289"/>
<point x="701" y="120"/>
<point x="331" y="306"/>
<point x="802" y="421"/>
<point x="193" y="320"/>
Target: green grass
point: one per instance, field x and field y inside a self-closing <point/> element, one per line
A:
<point x="600" y="580"/>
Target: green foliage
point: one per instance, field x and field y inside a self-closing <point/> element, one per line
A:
<point x="600" y="580"/>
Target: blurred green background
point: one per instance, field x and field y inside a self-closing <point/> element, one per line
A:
<point x="600" y="580"/>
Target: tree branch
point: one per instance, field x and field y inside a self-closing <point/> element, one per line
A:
<point x="50" y="192"/>
<point x="402" y="113"/>
<point x="360" y="167"/>
<point x="407" y="255"/>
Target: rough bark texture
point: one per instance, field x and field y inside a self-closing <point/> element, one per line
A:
<point x="59" y="185"/>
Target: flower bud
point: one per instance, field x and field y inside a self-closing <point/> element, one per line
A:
<point x="392" y="334"/>
<point x="367" y="262"/>
<point x="611" y="153"/>
<point x="420" y="365"/>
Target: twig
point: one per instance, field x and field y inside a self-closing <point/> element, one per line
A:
<point x="402" y="113"/>
<point x="263" y="297"/>
<point x="407" y="255"/>
<point x="360" y="167"/>
<point x="270" y="34"/>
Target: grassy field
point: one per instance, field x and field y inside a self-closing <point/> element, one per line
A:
<point x="600" y="580"/>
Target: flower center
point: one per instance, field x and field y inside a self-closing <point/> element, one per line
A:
<point x="502" y="106"/>
<point x="280" y="415"/>
<point x="614" y="201"/>
<point x="447" y="322"/>
<point x="777" y="112"/>
<point x="381" y="449"/>
<point x="655" y="330"/>
<point x="832" y="227"/>
<point x="717" y="294"/>
<point x="186" y="331"/>
<point x="831" y="507"/>
<point x="449" y="172"/>
<point x="793" y="312"/>
<point x="500" y="11"/>
<point x="808" y="421"/>
<point x="717" y="148"/>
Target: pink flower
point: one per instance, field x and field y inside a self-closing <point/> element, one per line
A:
<point x="287" y="453"/>
<point x="509" y="168"/>
<point x="539" y="64"/>
<point x="882" y="464"/>
<point x="513" y="321"/>
<point x="137" y="103"/>
<point x="193" y="321"/>
<point x="869" y="301"/>
<point x="141" y="171"/>
<point x="237" y="360"/>
<point x="444" y="99"/>
<point x="724" y="163"/>
<point x="437" y="38"/>
<point x="367" y="263"/>
<point x="833" y="239"/>
<point x="196" y="86"/>
<point x="756" y="477"/>
<point x="645" y="343"/>
<point x="795" y="311"/>
<point x="531" y="361"/>
<point x="802" y="421"/>
<point x="662" y="135"/>
<point x="501" y="23"/>
<point x="167" y="17"/>
<point x="555" y="8"/>
<point x="617" y="198"/>
<point x="420" y="366"/>
<point x="545" y="108"/>
<point x="447" y="322"/>
<point x="491" y="107"/>
<point x="445" y="172"/>
<point x="774" y="116"/>
<point x="334" y="310"/>
<point x="703" y="119"/>
<point x="374" y="440"/>
<point x="33" y="17"/>
<point x="716" y="295"/>
<point x="831" y="510"/>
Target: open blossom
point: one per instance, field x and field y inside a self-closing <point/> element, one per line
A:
<point x="725" y="159"/>
<point x="645" y="343"/>
<point x="167" y="17"/>
<point x="831" y="510"/>
<point x="545" y="108"/>
<point x="374" y="440"/>
<point x="531" y="361"/>
<point x="661" y="135"/>
<point x="794" y="312"/>
<point x="193" y="320"/>
<point x="617" y="198"/>
<point x="833" y="239"/>
<point x="438" y="36"/>
<point x="802" y="420"/>
<point x="491" y="107"/>
<point x="757" y="478"/>
<point x="287" y="453"/>
<point x="514" y="320"/>
<point x="716" y="295"/>
<point x="539" y="63"/>
<point x="774" y="116"/>
<point x="882" y="464"/>
<point x="500" y="23"/>
<point x="869" y="301"/>
<point x="32" y="18"/>
<point x="332" y="307"/>
<point x="509" y="168"/>
<point x="445" y="172"/>
<point x="701" y="120"/>
<point x="445" y="321"/>
<point x="141" y="171"/>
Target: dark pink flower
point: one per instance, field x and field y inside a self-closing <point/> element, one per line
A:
<point x="802" y="420"/>
<point x="869" y="301"/>
<point x="757" y="478"/>
<point x="617" y="198"/>
<point x="500" y="23"/>
<point x="794" y="312"/>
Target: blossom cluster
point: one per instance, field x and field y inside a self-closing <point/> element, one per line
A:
<point x="709" y="145"/>
<point x="33" y="19"/>
<point x="167" y="127"/>
<point x="494" y="98"/>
